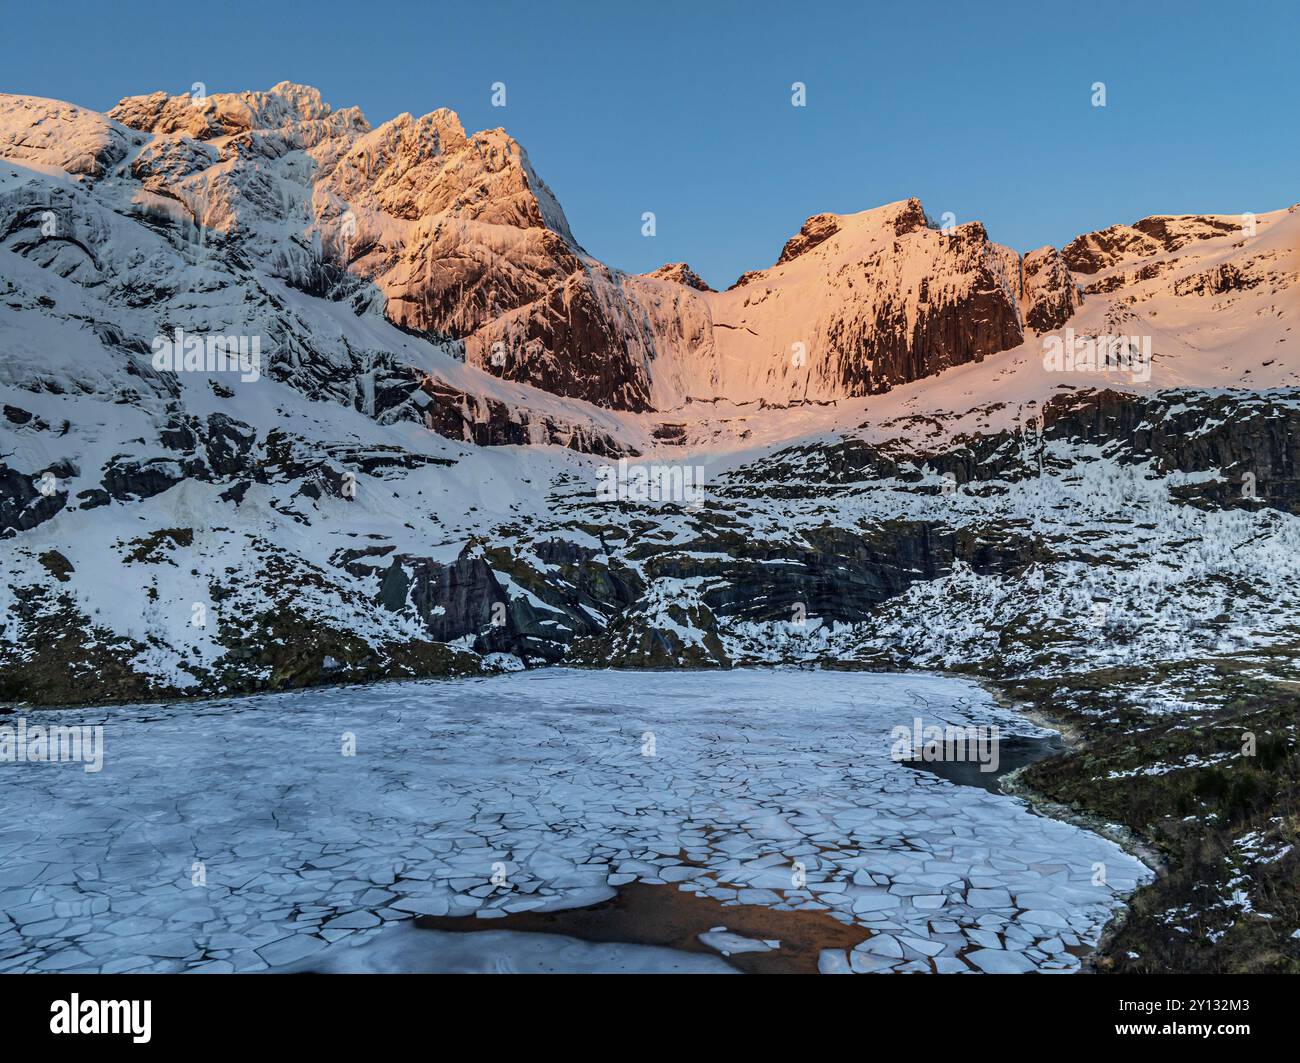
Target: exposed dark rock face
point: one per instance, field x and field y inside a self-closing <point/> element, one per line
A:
<point x="847" y="461"/>
<point x="1251" y="440"/>
<point x="840" y="574"/>
<point x="229" y="444"/>
<point x="1050" y="294"/>
<point x="815" y="230"/>
<point x="910" y="218"/>
<point x="571" y="345"/>
<point x="56" y="565"/>
<point x="129" y="479"/>
<point x="376" y="383"/>
<point x="951" y="327"/>
<point x="845" y="575"/>
<point x="29" y="499"/>
<point x="642" y="603"/>
<point x="1174" y="232"/>
<point x="1220" y="280"/>
<point x="280" y="650"/>
<point x="1180" y="431"/>
<point x="950" y="334"/>
<point x="680" y="273"/>
<point x="488" y="422"/>
<point x="394" y="585"/>
<point x="469" y="597"/>
<point x="669" y="433"/>
<point x="1093" y="252"/>
<point x="635" y="640"/>
<point x="582" y="592"/>
<point x="745" y="278"/>
<point x="456" y="599"/>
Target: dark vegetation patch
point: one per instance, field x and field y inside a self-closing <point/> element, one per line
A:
<point x="153" y="548"/>
<point x="69" y="660"/>
<point x="1213" y="787"/>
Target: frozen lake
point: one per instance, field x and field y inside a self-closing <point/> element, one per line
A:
<point x="241" y="835"/>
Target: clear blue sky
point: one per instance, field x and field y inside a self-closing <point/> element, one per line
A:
<point x="683" y="108"/>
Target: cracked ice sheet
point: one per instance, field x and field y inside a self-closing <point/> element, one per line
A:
<point x="407" y="950"/>
<point x="234" y="835"/>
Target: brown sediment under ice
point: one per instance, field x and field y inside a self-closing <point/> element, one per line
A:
<point x="644" y="914"/>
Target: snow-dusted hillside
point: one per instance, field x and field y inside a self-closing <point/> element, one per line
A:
<point x="285" y="399"/>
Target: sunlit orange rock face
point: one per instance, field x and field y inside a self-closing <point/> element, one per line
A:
<point x="465" y="241"/>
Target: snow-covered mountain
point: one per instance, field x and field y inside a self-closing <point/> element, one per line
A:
<point x="289" y="399"/>
<point x="465" y="241"/>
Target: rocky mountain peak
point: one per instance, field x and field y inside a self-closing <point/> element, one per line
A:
<point x="62" y="136"/>
<point x="679" y="273"/>
<point x="1155" y="235"/>
<point x="814" y="231"/>
<point x="908" y="215"/>
<point x="456" y="235"/>
<point x="208" y="116"/>
<point x="899" y="218"/>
